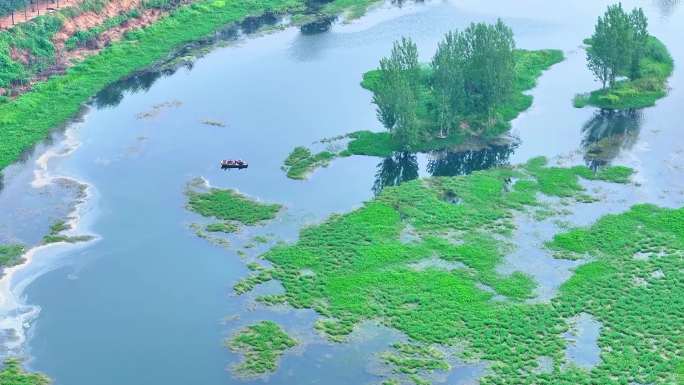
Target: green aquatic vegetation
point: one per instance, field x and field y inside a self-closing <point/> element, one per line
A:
<point x="13" y="374"/>
<point x="248" y="284"/>
<point x="272" y="299"/>
<point x="55" y="235"/>
<point x="10" y="255"/>
<point x="301" y="162"/>
<point x="414" y="358"/>
<point x="564" y="182"/>
<point x="261" y="239"/>
<point x="260" y="275"/>
<point x="262" y="345"/>
<point x="222" y="227"/>
<point x="640" y="91"/>
<point x="229" y="205"/>
<point x="354" y="267"/>
<point x="642" y="322"/>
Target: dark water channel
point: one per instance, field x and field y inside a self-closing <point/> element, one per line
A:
<point x="148" y="302"/>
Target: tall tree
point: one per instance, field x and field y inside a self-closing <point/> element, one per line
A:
<point x="489" y="66"/>
<point x="448" y="81"/>
<point x="396" y="96"/>
<point x="617" y="45"/>
<point x="640" y="35"/>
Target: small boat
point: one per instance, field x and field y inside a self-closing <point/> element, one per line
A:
<point x="239" y="164"/>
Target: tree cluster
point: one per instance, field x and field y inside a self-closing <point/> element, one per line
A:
<point x="618" y="45"/>
<point x="471" y="73"/>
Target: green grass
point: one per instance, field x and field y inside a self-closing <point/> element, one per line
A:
<point x="228" y="205"/>
<point x="222" y="227"/>
<point x="643" y="92"/>
<point x="529" y="66"/>
<point x="415" y="358"/>
<point x="55" y="235"/>
<point x="301" y="162"/>
<point x="29" y="118"/>
<point x="354" y="267"/>
<point x="563" y="182"/>
<point x="248" y="284"/>
<point x="11" y="254"/>
<point x="13" y="374"/>
<point x="262" y="345"/>
<point x="34" y="38"/>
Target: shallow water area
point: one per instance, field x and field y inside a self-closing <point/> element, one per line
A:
<point x="149" y="302"/>
<point x="583" y="350"/>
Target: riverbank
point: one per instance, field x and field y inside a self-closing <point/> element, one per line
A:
<point x="29" y="118"/>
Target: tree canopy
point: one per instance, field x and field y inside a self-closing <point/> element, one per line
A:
<point x="472" y="72"/>
<point x="618" y="44"/>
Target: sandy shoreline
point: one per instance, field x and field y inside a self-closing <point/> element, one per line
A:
<point x="16" y="315"/>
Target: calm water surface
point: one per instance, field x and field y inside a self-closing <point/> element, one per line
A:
<point x="148" y="302"/>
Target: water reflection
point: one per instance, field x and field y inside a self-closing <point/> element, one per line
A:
<point x="183" y="58"/>
<point x="667" y="7"/>
<point x="320" y="25"/>
<point x="393" y="170"/>
<point x="607" y="133"/>
<point x="448" y="163"/>
<point x="403" y="166"/>
<point x="254" y="23"/>
<point x="112" y="95"/>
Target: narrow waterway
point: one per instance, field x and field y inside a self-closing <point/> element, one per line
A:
<point x="148" y="302"/>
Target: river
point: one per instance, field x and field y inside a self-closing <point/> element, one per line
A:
<point x="148" y="302"/>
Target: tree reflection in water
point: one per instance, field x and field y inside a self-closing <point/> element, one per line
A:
<point x="112" y="95"/>
<point x="403" y="166"/>
<point x="393" y="170"/>
<point x="667" y="7"/>
<point x="448" y="163"/>
<point x="607" y="133"/>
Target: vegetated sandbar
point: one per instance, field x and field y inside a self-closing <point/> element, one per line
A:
<point x="529" y="66"/>
<point x="641" y="92"/>
<point x="261" y="344"/>
<point x="30" y="117"/>
<point x="358" y="268"/>
<point x="632" y="64"/>
<point x="13" y="374"/>
<point x="229" y="205"/>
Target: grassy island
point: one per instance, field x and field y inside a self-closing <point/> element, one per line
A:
<point x="229" y="205"/>
<point x="302" y="161"/>
<point x="529" y="65"/>
<point x="262" y="345"/>
<point x="632" y="65"/>
<point x="13" y="374"/>
<point x="357" y="266"/>
<point x="471" y="90"/>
